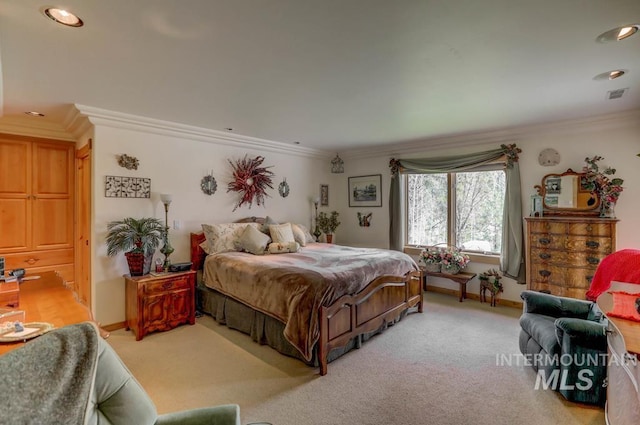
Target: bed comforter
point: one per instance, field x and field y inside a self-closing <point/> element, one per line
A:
<point x="292" y="287"/>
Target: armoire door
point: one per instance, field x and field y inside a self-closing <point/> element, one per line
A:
<point x="15" y="196"/>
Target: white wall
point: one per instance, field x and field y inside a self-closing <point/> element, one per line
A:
<point x="176" y="164"/>
<point x="617" y="139"/>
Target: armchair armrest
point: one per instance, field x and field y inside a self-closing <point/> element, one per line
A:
<point x="227" y="414"/>
<point x="583" y="333"/>
<point x="554" y="306"/>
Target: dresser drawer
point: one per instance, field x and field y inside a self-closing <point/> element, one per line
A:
<point x="171" y="284"/>
<point x="590" y="229"/>
<point x="25" y="260"/>
<point x="548" y="241"/>
<point x="593" y="244"/>
<point x="548" y="227"/>
<point x="562" y="276"/>
<point x="562" y="257"/>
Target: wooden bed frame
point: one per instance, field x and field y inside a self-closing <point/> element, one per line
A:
<point x="383" y="300"/>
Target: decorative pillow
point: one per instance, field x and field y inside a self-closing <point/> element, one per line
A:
<point x="307" y="234"/>
<point x="283" y="248"/>
<point x="253" y="240"/>
<point x="224" y="237"/>
<point x="298" y="234"/>
<point x="268" y="221"/>
<point x="281" y="233"/>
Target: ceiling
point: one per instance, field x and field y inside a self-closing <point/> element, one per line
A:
<point x="327" y="74"/>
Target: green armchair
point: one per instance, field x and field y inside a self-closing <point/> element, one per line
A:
<point x="564" y="340"/>
<point x="71" y="375"/>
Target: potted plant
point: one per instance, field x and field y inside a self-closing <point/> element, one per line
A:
<point x="453" y="260"/>
<point x="328" y="224"/>
<point x="432" y="258"/>
<point x="138" y="238"/>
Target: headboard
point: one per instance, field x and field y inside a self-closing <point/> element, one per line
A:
<point x="195" y="239"/>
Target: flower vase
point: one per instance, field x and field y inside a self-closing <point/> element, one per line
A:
<point x="607" y="209"/>
<point x="450" y="268"/>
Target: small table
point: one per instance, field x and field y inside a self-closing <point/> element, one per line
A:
<point x="462" y="278"/>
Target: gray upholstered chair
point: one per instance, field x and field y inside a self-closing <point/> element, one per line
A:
<point x="564" y="340"/>
<point x="71" y="375"/>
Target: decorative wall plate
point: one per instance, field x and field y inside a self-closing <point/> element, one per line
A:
<point x="208" y="185"/>
<point x="283" y="188"/>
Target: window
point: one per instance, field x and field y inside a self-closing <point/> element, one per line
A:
<point x="461" y="209"/>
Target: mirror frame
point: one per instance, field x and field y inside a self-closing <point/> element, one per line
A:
<point x="593" y="210"/>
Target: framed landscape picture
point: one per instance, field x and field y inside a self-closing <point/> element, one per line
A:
<point x="365" y="191"/>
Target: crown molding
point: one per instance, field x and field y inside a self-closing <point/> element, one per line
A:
<point x="114" y="119"/>
<point x="505" y="135"/>
<point x="29" y="126"/>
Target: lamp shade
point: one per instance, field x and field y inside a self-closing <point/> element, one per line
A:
<point x="166" y="198"/>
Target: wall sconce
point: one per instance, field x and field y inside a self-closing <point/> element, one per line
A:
<point x="167" y="249"/>
<point x="337" y="165"/>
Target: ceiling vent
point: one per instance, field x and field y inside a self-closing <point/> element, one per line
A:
<point x="616" y="94"/>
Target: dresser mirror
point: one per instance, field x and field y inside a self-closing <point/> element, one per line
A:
<point x="566" y="194"/>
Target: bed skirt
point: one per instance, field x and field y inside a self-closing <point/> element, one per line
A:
<point x="264" y="329"/>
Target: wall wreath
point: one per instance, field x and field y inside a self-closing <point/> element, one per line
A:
<point x="251" y="179"/>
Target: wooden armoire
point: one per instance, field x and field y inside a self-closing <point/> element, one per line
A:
<point x="37" y="205"/>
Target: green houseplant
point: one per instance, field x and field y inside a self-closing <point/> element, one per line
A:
<point x="328" y="224"/>
<point x="138" y="238"/>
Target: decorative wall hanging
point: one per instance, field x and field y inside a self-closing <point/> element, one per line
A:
<point x="548" y="157"/>
<point x="364" y="220"/>
<point x="251" y="180"/>
<point x="208" y="184"/>
<point x="365" y="191"/>
<point x="127" y="187"/>
<point x="324" y="195"/>
<point x="283" y="188"/>
<point x="128" y="162"/>
<point x="337" y="165"/>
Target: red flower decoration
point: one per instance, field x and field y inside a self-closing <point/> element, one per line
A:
<point x="250" y="178"/>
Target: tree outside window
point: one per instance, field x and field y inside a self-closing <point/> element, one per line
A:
<point x="460" y="209"/>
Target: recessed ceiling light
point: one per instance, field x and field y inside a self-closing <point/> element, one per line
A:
<point x="610" y="75"/>
<point x="618" y="34"/>
<point x="34" y="114"/>
<point x="63" y="17"/>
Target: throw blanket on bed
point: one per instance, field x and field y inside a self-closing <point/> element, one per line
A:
<point x="48" y="381"/>
<point x="292" y="287"/>
<point x="621" y="266"/>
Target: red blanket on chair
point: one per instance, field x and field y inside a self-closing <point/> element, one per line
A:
<point x="621" y="266"/>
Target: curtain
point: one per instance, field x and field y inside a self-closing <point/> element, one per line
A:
<point x="511" y="257"/>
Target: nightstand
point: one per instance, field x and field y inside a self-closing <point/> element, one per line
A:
<point x="159" y="302"/>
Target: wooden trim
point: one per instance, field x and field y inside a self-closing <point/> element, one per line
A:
<point x="114" y="326"/>
<point x="472" y="296"/>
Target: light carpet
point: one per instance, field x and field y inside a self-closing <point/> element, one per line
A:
<point x="439" y="367"/>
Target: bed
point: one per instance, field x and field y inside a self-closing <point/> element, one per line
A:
<point x="314" y="304"/>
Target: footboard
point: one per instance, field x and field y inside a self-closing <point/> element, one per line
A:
<point x="383" y="300"/>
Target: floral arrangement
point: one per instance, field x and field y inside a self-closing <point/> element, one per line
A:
<point x="251" y="179"/>
<point x="431" y="255"/>
<point x="452" y="256"/>
<point x="602" y="182"/>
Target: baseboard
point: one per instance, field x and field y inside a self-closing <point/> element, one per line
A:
<point x="472" y="296"/>
<point x="114" y="326"/>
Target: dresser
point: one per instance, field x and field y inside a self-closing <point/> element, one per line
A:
<point x="623" y="370"/>
<point x="159" y="303"/>
<point x="563" y="252"/>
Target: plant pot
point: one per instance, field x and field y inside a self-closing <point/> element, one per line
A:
<point x="139" y="264"/>
<point x="450" y="269"/>
<point x="433" y="267"/>
<point x="329" y="238"/>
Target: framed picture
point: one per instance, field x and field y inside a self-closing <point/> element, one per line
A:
<point x="324" y="195"/>
<point x="365" y="191"/>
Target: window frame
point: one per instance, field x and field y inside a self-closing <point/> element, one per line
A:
<point x="491" y="258"/>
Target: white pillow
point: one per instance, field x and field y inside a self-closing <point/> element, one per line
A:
<point x="298" y="234"/>
<point x="281" y="233"/>
<point x="283" y="248"/>
<point x="307" y="234"/>
<point x="254" y="241"/>
<point x="224" y="237"/>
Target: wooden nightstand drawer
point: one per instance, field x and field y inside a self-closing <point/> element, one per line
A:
<point x="166" y="284"/>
